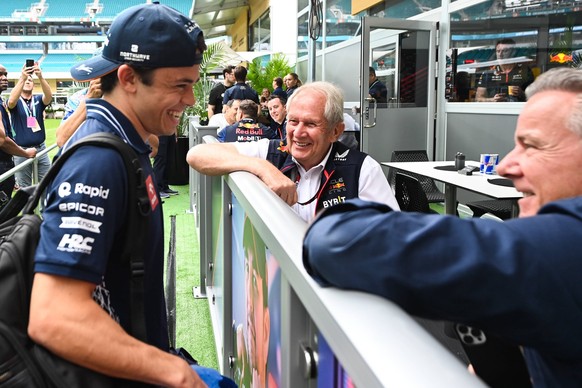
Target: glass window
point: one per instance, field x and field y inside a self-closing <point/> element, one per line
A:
<point x="302" y="4"/>
<point x="303" y="36"/>
<point x="340" y="24"/>
<point x="498" y="48"/>
<point x="403" y="9"/>
<point x="260" y="35"/>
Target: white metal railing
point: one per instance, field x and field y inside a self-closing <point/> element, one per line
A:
<point x="26" y="163"/>
<point x="376" y="342"/>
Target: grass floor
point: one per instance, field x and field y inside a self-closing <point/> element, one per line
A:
<point x="193" y="325"/>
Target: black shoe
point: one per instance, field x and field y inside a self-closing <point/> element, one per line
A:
<point x="170" y="191"/>
<point x="164" y="195"/>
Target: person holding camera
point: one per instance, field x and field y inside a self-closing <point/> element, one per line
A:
<point x="27" y="115"/>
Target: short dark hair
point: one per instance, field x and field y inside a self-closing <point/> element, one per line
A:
<point x="278" y="81"/>
<point x="372" y="71"/>
<point x="109" y="81"/>
<point x="240" y="73"/>
<point x="505" y="41"/>
<point x="278" y="96"/>
<point x="227" y="70"/>
<point x="249" y="108"/>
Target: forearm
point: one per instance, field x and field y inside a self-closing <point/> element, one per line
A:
<point x="69" y="126"/>
<point x="15" y="93"/>
<point x="65" y="319"/>
<point x="47" y="93"/>
<point x="11" y="148"/>
<point x="224" y="158"/>
<point x="210" y="111"/>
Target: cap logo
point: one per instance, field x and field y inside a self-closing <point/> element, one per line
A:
<point x="191" y="26"/>
<point x="134" y="48"/>
<point x="84" y="68"/>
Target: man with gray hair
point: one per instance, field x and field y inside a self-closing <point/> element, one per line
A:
<point x="517" y="280"/>
<point x="311" y="170"/>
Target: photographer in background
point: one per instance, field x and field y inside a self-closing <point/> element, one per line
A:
<point x="27" y="116"/>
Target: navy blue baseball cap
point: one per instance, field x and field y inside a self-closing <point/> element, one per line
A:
<point x="147" y="36"/>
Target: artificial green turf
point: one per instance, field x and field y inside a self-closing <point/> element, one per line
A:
<point x="193" y="326"/>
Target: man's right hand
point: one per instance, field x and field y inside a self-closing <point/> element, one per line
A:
<point x="284" y="187"/>
<point x="30" y="152"/>
<point x="95" y="89"/>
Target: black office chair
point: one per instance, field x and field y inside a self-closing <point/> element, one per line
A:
<point x="433" y="194"/>
<point x="500" y="208"/>
<point x="410" y="194"/>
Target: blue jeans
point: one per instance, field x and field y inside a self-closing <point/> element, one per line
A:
<point x="24" y="177"/>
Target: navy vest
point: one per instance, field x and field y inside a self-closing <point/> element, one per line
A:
<point x="341" y="174"/>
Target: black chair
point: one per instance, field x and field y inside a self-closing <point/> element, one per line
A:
<point x="410" y="194"/>
<point x="500" y="208"/>
<point x="433" y="194"/>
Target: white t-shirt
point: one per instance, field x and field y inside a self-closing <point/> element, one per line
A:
<point x="372" y="186"/>
<point x="218" y="120"/>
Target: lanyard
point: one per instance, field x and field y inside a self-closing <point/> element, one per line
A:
<point x="322" y="186"/>
<point x="29" y="112"/>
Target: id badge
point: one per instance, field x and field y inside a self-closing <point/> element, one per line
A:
<point x="32" y="124"/>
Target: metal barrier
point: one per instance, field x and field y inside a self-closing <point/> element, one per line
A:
<point x="315" y="335"/>
<point x="33" y="161"/>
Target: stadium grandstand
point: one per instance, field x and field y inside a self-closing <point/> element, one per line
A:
<point x="58" y="33"/>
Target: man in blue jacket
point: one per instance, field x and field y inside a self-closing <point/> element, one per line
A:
<point x="518" y="280"/>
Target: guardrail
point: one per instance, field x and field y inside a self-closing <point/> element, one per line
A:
<point x="26" y="163"/>
<point x="316" y="336"/>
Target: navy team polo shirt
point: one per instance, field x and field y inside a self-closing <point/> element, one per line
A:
<point x="83" y="233"/>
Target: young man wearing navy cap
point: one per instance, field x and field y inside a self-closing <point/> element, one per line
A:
<point x="79" y="309"/>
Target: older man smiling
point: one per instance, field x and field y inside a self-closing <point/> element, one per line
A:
<point x="311" y="170"/>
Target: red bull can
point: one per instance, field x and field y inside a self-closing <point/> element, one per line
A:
<point x="488" y="162"/>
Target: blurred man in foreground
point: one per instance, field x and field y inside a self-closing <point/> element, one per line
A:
<point x="518" y="280"/>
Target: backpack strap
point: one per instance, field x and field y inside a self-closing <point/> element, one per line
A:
<point x="137" y="221"/>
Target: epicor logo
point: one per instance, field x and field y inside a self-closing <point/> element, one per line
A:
<point x="91" y="191"/>
<point x="64" y="189"/>
<point x="76" y="243"/>
<point x="81" y="207"/>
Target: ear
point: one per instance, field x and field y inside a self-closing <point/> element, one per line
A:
<point x="338" y="130"/>
<point x="127" y="77"/>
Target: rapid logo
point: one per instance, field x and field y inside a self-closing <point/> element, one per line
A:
<point x="91" y="191"/>
<point x="76" y="243"/>
<point x="80" y="223"/>
<point x="64" y="189"/>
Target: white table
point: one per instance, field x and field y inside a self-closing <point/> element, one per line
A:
<point x="452" y="179"/>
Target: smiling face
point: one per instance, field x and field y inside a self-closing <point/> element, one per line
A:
<point x="277" y="110"/>
<point x="159" y="106"/>
<point x="547" y="157"/>
<point x="308" y="134"/>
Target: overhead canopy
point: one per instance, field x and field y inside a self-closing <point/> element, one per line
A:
<point x="215" y="16"/>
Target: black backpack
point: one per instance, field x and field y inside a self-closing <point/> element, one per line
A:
<point x="22" y="362"/>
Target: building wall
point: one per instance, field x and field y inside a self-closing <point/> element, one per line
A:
<point x="240" y="33"/>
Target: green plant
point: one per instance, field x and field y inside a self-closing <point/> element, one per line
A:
<point x="212" y="59"/>
<point x="262" y="77"/>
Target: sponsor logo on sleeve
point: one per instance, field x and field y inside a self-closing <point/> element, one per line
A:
<point x="80" y="188"/>
<point x="80" y="223"/>
<point x="152" y="193"/>
<point x="76" y="243"/>
<point x="82" y="208"/>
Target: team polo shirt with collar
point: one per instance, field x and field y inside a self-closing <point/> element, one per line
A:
<point x="23" y="135"/>
<point x="497" y="81"/>
<point x="247" y="130"/>
<point x="83" y="233"/>
<point x="342" y="174"/>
